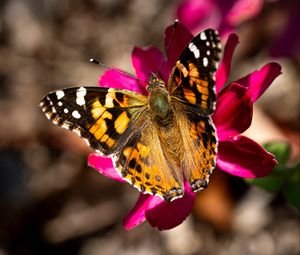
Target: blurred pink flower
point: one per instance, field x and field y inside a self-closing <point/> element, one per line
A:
<point x="226" y="16"/>
<point x="237" y="154"/>
<point x="221" y="15"/>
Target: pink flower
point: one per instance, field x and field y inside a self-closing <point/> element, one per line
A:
<point x="238" y="155"/>
<point x="221" y="15"/>
<point x="227" y="16"/>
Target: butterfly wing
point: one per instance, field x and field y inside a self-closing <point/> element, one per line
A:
<point x="147" y="166"/>
<point x="192" y="81"/>
<point x="116" y="123"/>
<point x="200" y="148"/>
<point x="192" y="88"/>
<point x="103" y="117"/>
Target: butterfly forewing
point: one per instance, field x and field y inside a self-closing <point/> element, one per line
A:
<point x="192" y="80"/>
<point x="103" y="117"/>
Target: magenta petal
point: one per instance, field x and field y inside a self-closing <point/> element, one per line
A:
<point x="146" y="61"/>
<point x="160" y="214"/>
<point x="241" y="156"/>
<point x="233" y="113"/>
<point x="198" y="15"/>
<point x="180" y="37"/>
<point x="258" y="81"/>
<point x="114" y="79"/>
<point x="137" y="214"/>
<point x="167" y="215"/>
<point x="223" y="71"/>
<point x="104" y="166"/>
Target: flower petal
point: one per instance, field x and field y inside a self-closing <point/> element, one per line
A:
<point x="176" y="39"/>
<point x="160" y="214"/>
<point x="113" y="78"/>
<point x="258" y="81"/>
<point x="200" y="14"/>
<point x="146" y="61"/>
<point x="233" y="113"/>
<point x="137" y="214"/>
<point x="167" y="215"/>
<point x="104" y="166"/>
<point x="241" y="156"/>
<point x="223" y="71"/>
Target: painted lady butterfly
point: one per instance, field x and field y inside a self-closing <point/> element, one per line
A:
<point x="157" y="141"/>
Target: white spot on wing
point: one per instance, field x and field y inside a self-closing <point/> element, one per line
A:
<point x="48" y="115"/>
<point x="66" y="110"/>
<point x="80" y="101"/>
<point x="60" y="103"/>
<point x="60" y="94"/>
<point x="76" y="114"/>
<point x="205" y="61"/>
<point x="193" y="48"/>
<point x="203" y="36"/>
<point x="81" y="92"/>
<point x="208" y="52"/>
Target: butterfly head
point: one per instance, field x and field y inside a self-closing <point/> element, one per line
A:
<point x="155" y="82"/>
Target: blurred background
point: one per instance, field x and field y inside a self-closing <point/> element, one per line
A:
<point x="52" y="203"/>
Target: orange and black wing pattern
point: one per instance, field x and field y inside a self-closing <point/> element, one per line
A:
<point x="103" y="117"/>
<point x="200" y="146"/>
<point x="144" y="163"/>
<point x="192" y="81"/>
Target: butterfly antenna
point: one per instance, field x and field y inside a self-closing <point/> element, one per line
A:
<point x="168" y="45"/>
<point x="94" y="61"/>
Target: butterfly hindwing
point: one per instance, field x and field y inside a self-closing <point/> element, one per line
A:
<point x="103" y="117"/>
<point x="201" y="151"/>
<point x="192" y="80"/>
<point x="143" y="162"/>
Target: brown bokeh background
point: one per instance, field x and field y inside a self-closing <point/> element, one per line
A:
<point x="52" y="203"/>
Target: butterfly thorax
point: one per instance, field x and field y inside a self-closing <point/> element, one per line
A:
<point x="159" y="105"/>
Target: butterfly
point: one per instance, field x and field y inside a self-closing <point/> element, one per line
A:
<point x="156" y="141"/>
